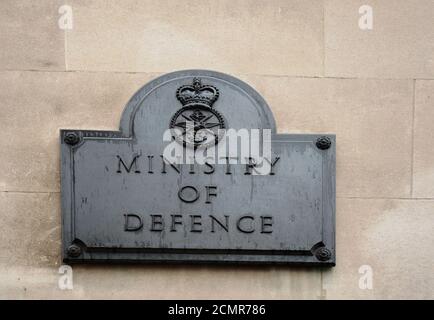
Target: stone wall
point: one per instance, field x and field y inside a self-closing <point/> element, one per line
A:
<point x="318" y="71"/>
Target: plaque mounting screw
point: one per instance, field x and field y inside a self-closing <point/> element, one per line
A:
<point x="323" y="254"/>
<point x="74" y="250"/>
<point x="71" y="138"/>
<point x="323" y="143"/>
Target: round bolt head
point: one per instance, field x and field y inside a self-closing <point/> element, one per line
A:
<point x="323" y="143"/>
<point x="74" y="250"/>
<point x="71" y="138"/>
<point x="323" y="254"/>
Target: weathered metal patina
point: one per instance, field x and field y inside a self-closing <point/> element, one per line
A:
<point x="122" y="202"/>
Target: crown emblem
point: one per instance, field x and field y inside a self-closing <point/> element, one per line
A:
<point x="197" y="123"/>
<point x="197" y="94"/>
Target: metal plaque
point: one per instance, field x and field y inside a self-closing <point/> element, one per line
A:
<point x="123" y="201"/>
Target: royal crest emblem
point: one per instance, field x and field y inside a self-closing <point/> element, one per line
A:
<point x="197" y="123"/>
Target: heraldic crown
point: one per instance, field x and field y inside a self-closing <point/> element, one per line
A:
<point x="197" y="94"/>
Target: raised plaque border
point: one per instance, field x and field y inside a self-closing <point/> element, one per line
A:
<point x="75" y="251"/>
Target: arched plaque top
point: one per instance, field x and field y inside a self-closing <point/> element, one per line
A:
<point x="237" y="102"/>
